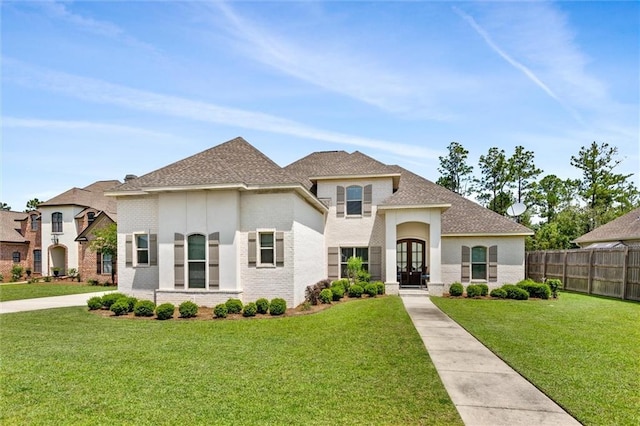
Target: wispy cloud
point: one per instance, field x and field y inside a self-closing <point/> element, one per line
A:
<point x="98" y="91"/>
<point x="60" y="11"/>
<point x="335" y="66"/>
<point x="516" y="64"/>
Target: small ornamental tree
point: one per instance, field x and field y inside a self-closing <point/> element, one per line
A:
<point x="354" y="266"/>
<point x="105" y="241"/>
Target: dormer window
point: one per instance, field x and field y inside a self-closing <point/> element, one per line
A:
<point x="35" y="221"/>
<point x="91" y="216"/>
<point x="354" y="200"/>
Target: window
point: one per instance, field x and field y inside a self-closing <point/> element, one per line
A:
<point x="107" y="266"/>
<point x="142" y="249"/>
<point x="354" y="200"/>
<point x="91" y="216"/>
<point x="35" y="222"/>
<point x="479" y="263"/>
<point x="196" y="252"/>
<point x="348" y="252"/>
<point x="267" y="248"/>
<point x="16" y="257"/>
<point x="56" y="222"/>
<point x="37" y="261"/>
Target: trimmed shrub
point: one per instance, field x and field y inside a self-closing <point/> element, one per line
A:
<point x="188" y="309"/>
<point x="120" y="306"/>
<point x="277" y="306"/>
<point x="144" y="308"/>
<point x="484" y="289"/>
<point x="539" y="290"/>
<point x="94" y="303"/>
<point x="337" y="292"/>
<point x="515" y="292"/>
<point x="110" y="298"/>
<point x="363" y="277"/>
<point x="473" y="290"/>
<point x="131" y="301"/>
<point x="371" y="289"/>
<point x="234" y="306"/>
<point x="220" y="311"/>
<point x="500" y="293"/>
<point x="554" y="285"/>
<point x="165" y="311"/>
<point x="312" y="293"/>
<point x="262" y="305"/>
<point x="355" y="290"/>
<point x="249" y="310"/>
<point x="326" y="295"/>
<point x="344" y="283"/>
<point x="456" y="289"/>
<point x="380" y="286"/>
<point x="93" y="281"/>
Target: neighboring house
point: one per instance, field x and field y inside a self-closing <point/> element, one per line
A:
<point x="229" y="222"/>
<point x="20" y="242"/>
<point x="67" y="223"/>
<point x="620" y="232"/>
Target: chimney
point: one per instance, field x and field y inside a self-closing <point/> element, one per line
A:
<point x="129" y="178"/>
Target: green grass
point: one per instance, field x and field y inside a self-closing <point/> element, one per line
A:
<point x="582" y="351"/>
<point x="31" y="291"/>
<point x="360" y="362"/>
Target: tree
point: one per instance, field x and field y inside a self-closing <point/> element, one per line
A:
<point x="5" y="206"/>
<point x="495" y="183"/>
<point x="456" y="173"/>
<point x="32" y="204"/>
<point x="607" y="194"/>
<point x="559" y="233"/>
<point x="552" y="194"/>
<point x="523" y="173"/>
<point x="105" y="241"/>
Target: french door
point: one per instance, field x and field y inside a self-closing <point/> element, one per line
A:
<point x="410" y="262"/>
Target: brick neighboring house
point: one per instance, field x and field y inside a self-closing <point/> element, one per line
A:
<point x="20" y="243"/>
<point x="68" y="220"/>
<point x="229" y="222"/>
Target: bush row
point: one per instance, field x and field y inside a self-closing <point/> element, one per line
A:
<point x="277" y="306"/>
<point x="520" y="291"/>
<point x="121" y="304"/>
<point x="326" y="291"/>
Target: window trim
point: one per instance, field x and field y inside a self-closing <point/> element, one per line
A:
<point x="57" y="226"/>
<point x="137" y="250"/>
<point x="189" y="262"/>
<point x="347" y="200"/>
<point x="16" y="257"/>
<point x="37" y="261"/>
<point x="35" y="222"/>
<point x="103" y="262"/>
<point x="259" y="248"/>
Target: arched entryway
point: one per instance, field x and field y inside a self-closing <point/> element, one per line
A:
<point x="411" y="262"/>
<point x="58" y="259"/>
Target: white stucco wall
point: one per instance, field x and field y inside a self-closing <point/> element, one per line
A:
<point x="510" y="258"/>
<point x="66" y="238"/>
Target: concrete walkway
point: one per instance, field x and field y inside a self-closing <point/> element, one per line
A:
<point x="484" y="389"/>
<point x="48" y="302"/>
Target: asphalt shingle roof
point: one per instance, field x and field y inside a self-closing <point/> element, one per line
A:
<point x="10" y="226"/>
<point x="626" y="227"/>
<point x="233" y="162"/>
<point x="89" y="196"/>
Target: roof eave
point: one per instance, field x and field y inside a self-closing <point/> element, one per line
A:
<point x="443" y="206"/>
<point x="488" y="234"/>
<point x="358" y="176"/>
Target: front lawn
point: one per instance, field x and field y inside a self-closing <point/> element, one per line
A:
<point x="360" y="362"/>
<point x="35" y="290"/>
<point x="582" y="351"/>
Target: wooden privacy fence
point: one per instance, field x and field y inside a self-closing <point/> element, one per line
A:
<point x="604" y="272"/>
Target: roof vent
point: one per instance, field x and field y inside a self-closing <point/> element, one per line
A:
<point x="129" y="178"/>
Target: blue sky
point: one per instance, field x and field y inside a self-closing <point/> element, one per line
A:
<point x="96" y="90"/>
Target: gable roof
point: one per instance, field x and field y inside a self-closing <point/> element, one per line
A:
<point x="626" y="227"/>
<point x="89" y="196"/>
<point x="235" y="162"/>
<point x="461" y="217"/>
<point x="10" y="229"/>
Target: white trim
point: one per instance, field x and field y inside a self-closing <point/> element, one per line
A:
<point x="134" y="261"/>
<point x="491" y="234"/>
<point x="259" y="263"/>
<point x="351" y="177"/>
<point x="414" y="206"/>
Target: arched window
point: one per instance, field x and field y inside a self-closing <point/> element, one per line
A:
<point x="196" y="256"/>
<point x="354" y="200"/>
<point x="56" y="222"/>
<point x="479" y="263"/>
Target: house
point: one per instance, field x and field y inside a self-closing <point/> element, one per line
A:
<point x="620" y="232"/>
<point x="20" y="243"/>
<point x="229" y="222"/>
<point x="67" y="222"/>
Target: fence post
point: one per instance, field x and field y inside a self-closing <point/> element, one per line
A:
<point x="544" y="265"/>
<point x="564" y="267"/>
<point x="625" y="264"/>
<point x="590" y="273"/>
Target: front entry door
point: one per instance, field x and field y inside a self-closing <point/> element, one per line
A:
<point x="410" y="262"/>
